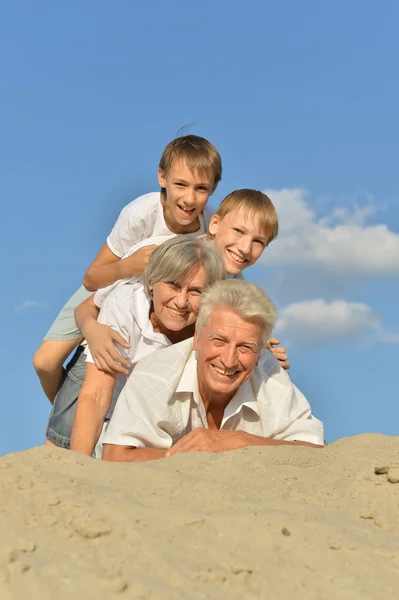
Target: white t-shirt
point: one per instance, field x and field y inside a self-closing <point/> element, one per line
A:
<point x="160" y="403"/>
<point x="127" y="310"/>
<point x="141" y="219"/>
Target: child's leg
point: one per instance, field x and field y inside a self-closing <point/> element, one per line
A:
<point x="59" y="342"/>
<point x="61" y="418"/>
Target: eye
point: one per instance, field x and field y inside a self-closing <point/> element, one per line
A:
<point x="237" y="230"/>
<point x="246" y="349"/>
<point x="174" y="285"/>
<point x="218" y="342"/>
<point x="261" y="242"/>
<point x="202" y="188"/>
<point x="180" y="185"/>
<point x="196" y="292"/>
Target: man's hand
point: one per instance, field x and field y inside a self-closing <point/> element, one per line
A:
<point x="101" y="339"/>
<point x="209" y="440"/>
<point x="135" y="264"/>
<point x="280" y="352"/>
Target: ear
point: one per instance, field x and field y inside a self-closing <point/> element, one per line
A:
<point x="214" y="224"/>
<point x="195" y="341"/>
<point x="161" y="178"/>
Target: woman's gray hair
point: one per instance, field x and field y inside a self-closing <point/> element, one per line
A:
<point x="179" y="254"/>
<point x="242" y="297"/>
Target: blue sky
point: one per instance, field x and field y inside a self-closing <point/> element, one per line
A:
<point x="299" y="97"/>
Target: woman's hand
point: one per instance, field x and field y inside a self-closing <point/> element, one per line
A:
<point x="101" y="340"/>
<point x="279" y="352"/>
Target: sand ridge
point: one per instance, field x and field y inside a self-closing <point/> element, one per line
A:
<point x="277" y="522"/>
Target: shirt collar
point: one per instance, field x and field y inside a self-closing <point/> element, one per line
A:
<point x="141" y="310"/>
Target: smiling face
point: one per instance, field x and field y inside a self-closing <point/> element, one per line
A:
<point x="187" y="193"/>
<point x="228" y="350"/>
<point x="240" y="238"/>
<point x="176" y="303"/>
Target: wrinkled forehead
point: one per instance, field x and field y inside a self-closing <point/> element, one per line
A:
<point x="234" y="325"/>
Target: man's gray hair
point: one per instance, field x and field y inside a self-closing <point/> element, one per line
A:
<point x="176" y="256"/>
<point x="242" y="297"/>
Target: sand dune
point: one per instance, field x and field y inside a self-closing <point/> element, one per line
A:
<point x="275" y="523"/>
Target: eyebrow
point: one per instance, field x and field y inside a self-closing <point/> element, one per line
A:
<point x="245" y="229"/>
<point x="249" y="343"/>
<point x="180" y="180"/>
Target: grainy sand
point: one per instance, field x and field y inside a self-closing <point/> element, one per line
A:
<point x="273" y="523"/>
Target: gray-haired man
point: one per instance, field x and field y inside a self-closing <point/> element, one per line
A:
<point x="215" y="393"/>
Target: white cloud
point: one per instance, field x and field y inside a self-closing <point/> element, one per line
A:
<point x="28" y="305"/>
<point x="317" y="321"/>
<point x="340" y="242"/>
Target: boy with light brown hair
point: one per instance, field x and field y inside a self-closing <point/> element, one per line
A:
<point x="189" y="172"/>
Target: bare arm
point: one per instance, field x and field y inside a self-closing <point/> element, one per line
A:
<point x="107" y="268"/>
<point x="215" y="440"/>
<point x="114" y="453"/>
<point x="93" y="404"/>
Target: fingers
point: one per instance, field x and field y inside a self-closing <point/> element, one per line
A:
<point x="273" y="342"/>
<point x="109" y="364"/>
<point x="119" y="339"/>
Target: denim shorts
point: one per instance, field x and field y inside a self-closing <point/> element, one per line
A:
<point x="59" y="428"/>
<point x="64" y="327"/>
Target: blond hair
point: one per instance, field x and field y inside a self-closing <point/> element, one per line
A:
<point x="255" y="202"/>
<point x="199" y="155"/>
<point x="242" y="297"/>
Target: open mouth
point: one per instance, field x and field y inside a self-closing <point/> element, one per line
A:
<point x="236" y="258"/>
<point x="188" y="212"/>
<point x="175" y="312"/>
<point x="228" y="373"/>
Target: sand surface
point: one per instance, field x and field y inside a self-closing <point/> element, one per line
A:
<point x="277" y="523"/>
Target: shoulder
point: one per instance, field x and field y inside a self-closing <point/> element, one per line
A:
<point x="169" y="361"/>
<point x="144" y="205"/>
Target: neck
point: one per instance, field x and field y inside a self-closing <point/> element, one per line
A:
<point x="210" y="399"/>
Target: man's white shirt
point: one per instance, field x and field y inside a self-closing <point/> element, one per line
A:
<point x="160" y="403"/>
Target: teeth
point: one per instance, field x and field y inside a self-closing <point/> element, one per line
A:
<point x="177" y="313"/>
<point x="236" y="257"/>
<point x="188" y="210"/>
<point x="223" y="372"/>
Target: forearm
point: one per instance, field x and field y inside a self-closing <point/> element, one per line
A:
<point x="114" y="453"/>
<point x="99" y="276"/>
<point x="88" y="423"/>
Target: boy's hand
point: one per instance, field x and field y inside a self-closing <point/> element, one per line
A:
<point x="279" y="352"/>
<point x="101" y="340"/>
<point x="135" y="264"/>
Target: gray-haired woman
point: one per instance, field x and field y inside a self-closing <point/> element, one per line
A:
<point x="159" y="311"/>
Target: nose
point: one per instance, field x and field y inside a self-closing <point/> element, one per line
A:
<point x="228" y="356"/>
<point x="245" y="245"/>
<point x="189" y="196"/>
<point x="181" y="299"/>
